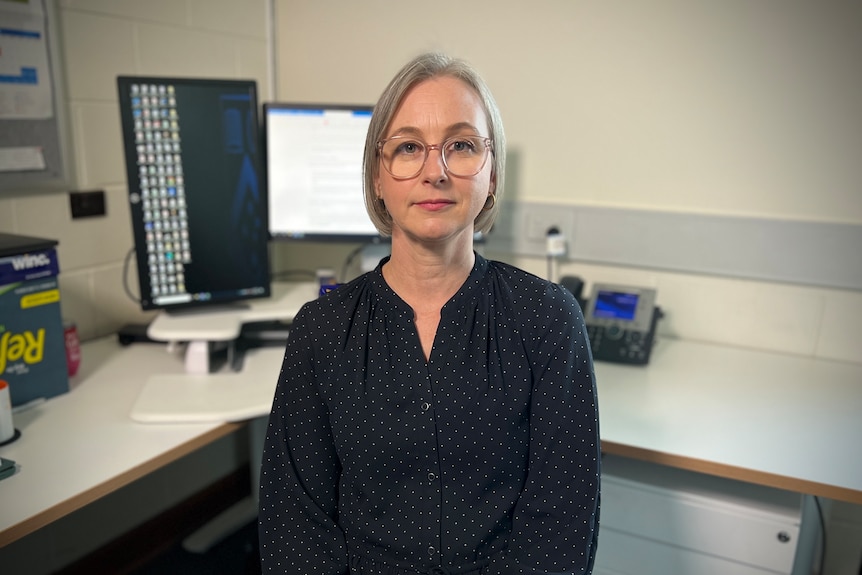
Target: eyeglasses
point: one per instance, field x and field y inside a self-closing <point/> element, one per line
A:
<point x="405" y="156"/>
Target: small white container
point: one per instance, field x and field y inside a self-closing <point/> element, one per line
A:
<point x="7" y="427"/>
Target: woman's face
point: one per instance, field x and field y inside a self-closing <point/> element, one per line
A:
<point x="435" y="206"/>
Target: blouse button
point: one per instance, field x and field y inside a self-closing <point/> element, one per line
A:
<point x="431" y="551"/>
<point x="426" y="406"/>
<point x="431" y="476"/>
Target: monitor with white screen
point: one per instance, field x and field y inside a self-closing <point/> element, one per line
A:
<point x="314" y="171"/>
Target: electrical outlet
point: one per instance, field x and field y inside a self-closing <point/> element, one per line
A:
<point x="522" y="227"/>
<point x="87" y="204"/>
<point x="542" y="217"/>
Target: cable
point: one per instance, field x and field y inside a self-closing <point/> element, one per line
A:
<point x="126" y="288"/>
<point x="823" y="536"/>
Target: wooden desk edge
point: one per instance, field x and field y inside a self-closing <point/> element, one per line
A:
<point x="733" y="472"/>
<point x="72" y="504"/>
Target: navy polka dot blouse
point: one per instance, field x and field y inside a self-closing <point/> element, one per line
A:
<point x="483" y="459"/>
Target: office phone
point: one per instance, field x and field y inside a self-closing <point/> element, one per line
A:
<point x="621" y="323"/>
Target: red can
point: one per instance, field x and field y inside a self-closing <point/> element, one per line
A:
<point x="73" y="347"/>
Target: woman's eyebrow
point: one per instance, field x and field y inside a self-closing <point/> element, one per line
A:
<point x="407" y="131"/>
<point x="451" y="130"/>
<point x="460" y="127"/>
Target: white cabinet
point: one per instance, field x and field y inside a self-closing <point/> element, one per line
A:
<point x="661" y="520"/>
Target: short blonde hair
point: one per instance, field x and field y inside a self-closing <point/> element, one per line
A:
<point x="421" y="68"/>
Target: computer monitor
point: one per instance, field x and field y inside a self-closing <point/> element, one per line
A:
<point x="194" y="164"/>
<point x="314" y="171"/>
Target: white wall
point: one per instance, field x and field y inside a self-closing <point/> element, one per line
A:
<point x="731" y="107"/>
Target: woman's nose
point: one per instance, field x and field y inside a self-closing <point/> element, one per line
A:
<point x="434" y="169"/>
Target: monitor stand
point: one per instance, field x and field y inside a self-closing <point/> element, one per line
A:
<point x="202" y="357"/>
<point x="208" y="334"/>
<point x="208" y="331"/>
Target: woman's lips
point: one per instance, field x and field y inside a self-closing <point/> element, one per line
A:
<point x="434" y="205"/>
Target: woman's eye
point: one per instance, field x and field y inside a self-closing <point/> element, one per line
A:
<point x="462" y="145"/>
<point x="408" y="148"/>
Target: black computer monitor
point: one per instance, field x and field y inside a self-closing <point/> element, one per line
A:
<point x="194" y="164"/>
<point x="314" y="171"/>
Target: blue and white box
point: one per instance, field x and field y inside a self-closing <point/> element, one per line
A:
<point x="32" y="343"/>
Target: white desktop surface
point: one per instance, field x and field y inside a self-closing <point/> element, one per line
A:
<point x="82" y="445"/>
<point x="774" y="419"/>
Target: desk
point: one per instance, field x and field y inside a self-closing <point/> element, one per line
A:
<point x="80" y="446"/>
<point x="778" y="420"/>
<point x="766" y="418"/>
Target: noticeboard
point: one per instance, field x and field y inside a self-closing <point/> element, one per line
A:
<point x="32" y="114"/>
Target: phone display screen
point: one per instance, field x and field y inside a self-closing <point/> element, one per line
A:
<point x="616" y="305"/>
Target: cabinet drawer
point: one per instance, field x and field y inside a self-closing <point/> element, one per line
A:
<point x="624" y="554"/>
<point x="742" y="523"/>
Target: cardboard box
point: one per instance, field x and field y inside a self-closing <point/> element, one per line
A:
<point x="32" y="343"/>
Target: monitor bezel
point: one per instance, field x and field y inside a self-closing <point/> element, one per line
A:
<point x="123" y="81"/>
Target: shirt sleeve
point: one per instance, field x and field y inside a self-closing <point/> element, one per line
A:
<point x="556" y="519"/>
<point x="299" y="472"/>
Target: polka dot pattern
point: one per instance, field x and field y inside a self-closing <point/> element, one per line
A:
<point x="485" y="458"/>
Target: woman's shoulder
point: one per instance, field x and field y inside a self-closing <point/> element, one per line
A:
<point x="533" y="299"/>
<point x="338" y="303"/>
<point x="524" y="284"/>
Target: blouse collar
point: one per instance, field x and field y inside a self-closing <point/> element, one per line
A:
<point x="466" y="291"/>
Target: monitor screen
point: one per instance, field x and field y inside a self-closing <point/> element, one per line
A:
<point x="194" y="168"/>
<point x="616" y="305"/>
<point x="314" y="171"/>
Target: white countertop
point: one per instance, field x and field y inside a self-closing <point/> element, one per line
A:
<point x="781" y="420"/>
<point x="79" y="446"/>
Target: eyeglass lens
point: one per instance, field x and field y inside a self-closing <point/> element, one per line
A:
<point x="462" y="155"/>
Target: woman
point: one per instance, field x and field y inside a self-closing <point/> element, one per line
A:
<point x="438" y="414"/>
